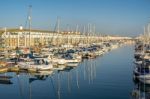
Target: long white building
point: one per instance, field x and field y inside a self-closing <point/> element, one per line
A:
<point x="25" y="38"/>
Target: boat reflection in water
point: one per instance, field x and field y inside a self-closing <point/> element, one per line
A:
<point x="53" y="84"/>
<point x="141" y="91"/>
<point x="42" y="75"/>
<point x="5" y="80"/>
<point x="26" y="80"/>
<point x="69" y="79"/>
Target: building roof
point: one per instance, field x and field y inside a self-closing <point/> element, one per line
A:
<point x="32" y="30"/>
<point x="25" y="30"/>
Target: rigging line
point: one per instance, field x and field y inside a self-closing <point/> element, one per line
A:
<point x="28" y="15"/>
<point x="56" y="29"/>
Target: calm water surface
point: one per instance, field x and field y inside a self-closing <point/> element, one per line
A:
<point x="106" y="77"/>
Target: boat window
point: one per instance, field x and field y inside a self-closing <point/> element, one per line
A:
<point x="143" y="70"/>
<point x="37" y="62"/>
<point x="43" y="61"/>
<point x="46" y="63"/>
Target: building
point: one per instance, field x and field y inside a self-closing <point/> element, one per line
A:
<point x="13" y="38"/>
<point x="25" y="37"/>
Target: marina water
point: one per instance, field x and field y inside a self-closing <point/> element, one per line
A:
<point x="106" y="77"/>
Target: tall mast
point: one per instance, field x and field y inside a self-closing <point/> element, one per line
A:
<point x="84" y="35"/>
<point x="29" y="19"/>
<point x="5" y="44"/>
<point x="94" y="39"/>
<point x="148" y="32"/>
<point x="77" y="27"/>
<point x="77" y="39"/>
<point x="58" y="24"/>
<point x="68" y="30"/>
<point x="88" y="33"/>
<point x="144" y="34"/>
<point x="57" y="29"/>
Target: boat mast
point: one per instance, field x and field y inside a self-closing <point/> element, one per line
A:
<point x="77" y="39"/>
<point x="68" y="30"/>
<point x="5" y="34"/>
<point x="144" y="33"/>
<point x="84" y="36"/>
<point x="9" y="39"/>
<point x="148" y="33"/>
<point x="88" y="30"/>
<point x="90" y="33"/>
<point x="94" y="34"/>
<point x="29" y="19"/>
<point x="57" y="30"/>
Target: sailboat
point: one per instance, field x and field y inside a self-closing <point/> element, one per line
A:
<point x="38" y="63"/>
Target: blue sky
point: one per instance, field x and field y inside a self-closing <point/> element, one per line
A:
<point x="119" y="17"/>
